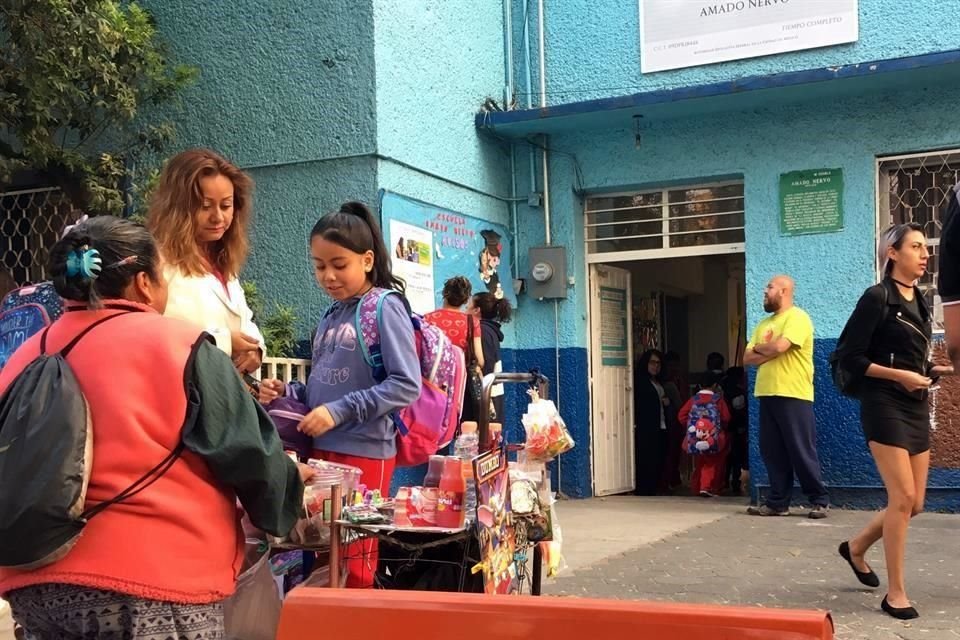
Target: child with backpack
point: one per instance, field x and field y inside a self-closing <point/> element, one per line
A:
<point x="707" y="417"/>
<point x="352" y="405"/>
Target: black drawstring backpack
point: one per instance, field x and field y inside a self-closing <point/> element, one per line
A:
<point x="46" y="456"/>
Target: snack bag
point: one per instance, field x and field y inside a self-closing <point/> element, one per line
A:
<point x="547" y="434"/>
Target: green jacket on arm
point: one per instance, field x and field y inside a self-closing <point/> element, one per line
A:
<point x="239" y="442"/>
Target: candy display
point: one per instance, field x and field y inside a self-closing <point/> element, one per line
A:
<point x="481" y="499"/>
<point x="314" y="529"/>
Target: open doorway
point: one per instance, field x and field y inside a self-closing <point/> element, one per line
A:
<point x="687" y="309"/>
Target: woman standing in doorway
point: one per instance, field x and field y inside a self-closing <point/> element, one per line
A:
<point x="650" y="403"/>
<point x="885" y="346"/>
<point x="199" y="215"/>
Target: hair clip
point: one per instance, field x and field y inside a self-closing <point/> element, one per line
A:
<point x="70" y="227"/>
<point x="84" y="262"/>
<point x="122" y="263"/>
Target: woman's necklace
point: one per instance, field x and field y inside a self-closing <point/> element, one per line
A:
<point x="904" y="285"/>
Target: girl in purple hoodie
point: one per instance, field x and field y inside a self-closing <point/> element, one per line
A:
<point x="349" y="418"/>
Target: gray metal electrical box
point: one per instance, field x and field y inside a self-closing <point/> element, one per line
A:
<point x="548" y="272"/>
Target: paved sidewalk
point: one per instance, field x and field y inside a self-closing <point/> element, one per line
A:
<point x="716" y="553"/>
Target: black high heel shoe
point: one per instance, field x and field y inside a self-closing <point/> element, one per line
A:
<point x="868" y="577"/>
<point x="900" y="613"/>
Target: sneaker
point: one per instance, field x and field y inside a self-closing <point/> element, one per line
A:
<point x="764" y="510"/>
<point x="818" y="512"/>
<point x="706" y="494"/>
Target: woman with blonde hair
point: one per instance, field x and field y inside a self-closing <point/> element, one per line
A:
<point x="884" y="350"/>
<point x="200" y="215"/>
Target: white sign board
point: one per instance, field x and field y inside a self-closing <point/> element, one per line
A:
<point x="412" y="260"/>
<point x="686" y="33"/>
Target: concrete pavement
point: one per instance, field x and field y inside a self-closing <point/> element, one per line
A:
<point x="699" y="550"/>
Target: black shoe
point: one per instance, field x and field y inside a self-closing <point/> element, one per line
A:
<point x="900" y="613"/>
<point x="868" y="577"/>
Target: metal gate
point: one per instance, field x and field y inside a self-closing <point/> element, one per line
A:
<point x="30" y="223"/>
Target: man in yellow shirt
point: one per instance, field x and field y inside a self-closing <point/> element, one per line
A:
<point x="782" y="349"/>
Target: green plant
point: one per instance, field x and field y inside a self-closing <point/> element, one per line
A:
<point x="279" y="329"/>
<point x="253" y="297"/>
<point x="76" y="77"/>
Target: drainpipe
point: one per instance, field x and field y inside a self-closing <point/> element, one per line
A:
<point x="507" y="101"/>
<point x="548" y="236"/>
<point x="528" y="77"/>
<point x="508" y="45"/>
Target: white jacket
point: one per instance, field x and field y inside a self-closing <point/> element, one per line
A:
<point x="203" y="301"/>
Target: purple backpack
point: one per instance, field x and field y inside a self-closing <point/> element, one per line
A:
<point x="287" y="412"/>
<point x="430" y="422"/>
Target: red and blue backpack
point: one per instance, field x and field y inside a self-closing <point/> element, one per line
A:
<point x="703" y="425"/>
<point x="431" y="421"/>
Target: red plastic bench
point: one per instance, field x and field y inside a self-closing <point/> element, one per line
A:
<point x="363" y="615"/>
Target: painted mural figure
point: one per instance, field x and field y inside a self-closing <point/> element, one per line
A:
<point x="489" y="261"/>
<point x="885" y="347"/>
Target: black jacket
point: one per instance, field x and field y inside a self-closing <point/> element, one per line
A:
<point x="882" y="331"/>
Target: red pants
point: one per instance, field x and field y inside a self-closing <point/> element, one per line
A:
<point x="708" y="473"/>
<point x="362" y="556"/>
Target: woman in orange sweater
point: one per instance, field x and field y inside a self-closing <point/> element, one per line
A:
<point x="159" y="563"/>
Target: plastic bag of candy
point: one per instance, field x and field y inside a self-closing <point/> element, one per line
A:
<point x="547" y="434"/>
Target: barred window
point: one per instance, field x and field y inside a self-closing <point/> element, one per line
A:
<point x="916" y="188"/>
<point x="30" y="224"/>
<point x="691" y="220"/>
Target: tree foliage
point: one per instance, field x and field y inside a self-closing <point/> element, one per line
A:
<point x="76" y="78"/>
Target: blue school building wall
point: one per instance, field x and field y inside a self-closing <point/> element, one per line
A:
<point x="593" y="47"/>
<point x="593" y="51"/>
<point x="337" y="100"/>
<point x="287" y="93"/>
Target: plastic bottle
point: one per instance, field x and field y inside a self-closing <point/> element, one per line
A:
<point x="467" y="447"/>
<point x="434" y="471"/>
<point x="450" y="498"/>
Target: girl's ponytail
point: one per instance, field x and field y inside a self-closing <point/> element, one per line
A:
<point x="504" y="310"/>
<point x="356" y="228"/>
<point x="492" y="308"/>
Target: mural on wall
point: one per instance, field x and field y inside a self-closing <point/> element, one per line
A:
<point x="430" y="244"/>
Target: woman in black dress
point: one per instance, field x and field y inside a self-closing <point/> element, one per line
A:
<point x="650" y="406"/>
<point x="886" y="345"/>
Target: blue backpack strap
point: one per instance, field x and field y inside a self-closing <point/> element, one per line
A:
<point x="370" y="339"/>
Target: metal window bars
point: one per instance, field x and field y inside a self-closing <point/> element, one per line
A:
<point x="916" y="188"/>
<point x="665" y="220"/>
<point x="31" y="221"/>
